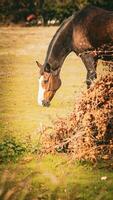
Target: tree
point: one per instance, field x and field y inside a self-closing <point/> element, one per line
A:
<point x="102" y="3"/>
<point x="47" y="10"/>
<point x="17" y="10"/>
<point x="65" y="9"/>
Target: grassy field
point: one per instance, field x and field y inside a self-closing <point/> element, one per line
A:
<point x="21" y="117"/>
<point x="19" y="112"/>
<point x="20" y="48"/>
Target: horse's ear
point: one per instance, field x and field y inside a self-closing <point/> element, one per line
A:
<point x="38" y="64"/>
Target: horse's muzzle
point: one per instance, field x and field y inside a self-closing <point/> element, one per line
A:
<point x="45" y="103"/>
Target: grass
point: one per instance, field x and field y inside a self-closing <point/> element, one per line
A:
<point x="53" y="178"/>
<point x="21" y="117"/>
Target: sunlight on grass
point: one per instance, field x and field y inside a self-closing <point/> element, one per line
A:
<point x="53" y="178"/>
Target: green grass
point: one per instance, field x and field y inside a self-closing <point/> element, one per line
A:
<point x="54" y="178"/>
<point x="21" y="118"/>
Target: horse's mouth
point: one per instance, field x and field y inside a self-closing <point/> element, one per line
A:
<point x="45" y="103"/>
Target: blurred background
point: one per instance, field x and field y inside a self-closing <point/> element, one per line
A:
<point x="43" y="12"/>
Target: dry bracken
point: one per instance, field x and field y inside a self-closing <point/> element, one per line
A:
<point x="87" y="133"/>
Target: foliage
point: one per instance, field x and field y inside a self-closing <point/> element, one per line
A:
<point x="17" y="11"/>
<point x="47" y="10"/>
<point x="102" y="3"/>
<point x="64" y="10"/>
<point x="87" y="134"/>
<point x="10" y="150"/>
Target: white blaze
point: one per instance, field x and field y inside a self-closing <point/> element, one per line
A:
<point x="40" y="92"/>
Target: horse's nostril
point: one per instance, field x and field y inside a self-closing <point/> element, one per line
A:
<point x="45" y="103"/>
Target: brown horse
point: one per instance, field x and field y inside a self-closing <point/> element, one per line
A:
<point x="86" y="33"/>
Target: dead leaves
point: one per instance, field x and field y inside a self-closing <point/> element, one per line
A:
<point x="87" y="134"/>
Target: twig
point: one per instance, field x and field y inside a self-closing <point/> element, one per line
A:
<point x="70" y="139"/>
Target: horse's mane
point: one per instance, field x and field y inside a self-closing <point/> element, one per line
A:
<point x="57" y="32"/>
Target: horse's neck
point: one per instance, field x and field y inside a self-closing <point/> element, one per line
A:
<point x="60" y="45"/>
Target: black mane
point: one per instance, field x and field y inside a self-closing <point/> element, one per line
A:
<point x="59" y="31"/>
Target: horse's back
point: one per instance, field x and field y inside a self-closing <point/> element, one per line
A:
<point x="93" y="27"/>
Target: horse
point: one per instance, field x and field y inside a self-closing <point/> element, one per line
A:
<point x="88" y="33"/>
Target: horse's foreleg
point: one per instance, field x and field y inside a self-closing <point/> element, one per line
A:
<point x="90" y="64"/>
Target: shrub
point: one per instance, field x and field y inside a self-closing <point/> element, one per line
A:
<point x="87" y="134"/>
<point x="10" y="150"/>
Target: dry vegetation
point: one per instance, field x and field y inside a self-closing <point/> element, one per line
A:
<point x="88" y="132"/>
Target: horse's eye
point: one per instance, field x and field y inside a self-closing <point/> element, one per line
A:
<point x="45" y="81"/>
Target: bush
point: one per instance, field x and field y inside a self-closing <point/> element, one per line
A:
<point x="87" y="134"/>
<point x="10" y="150"/>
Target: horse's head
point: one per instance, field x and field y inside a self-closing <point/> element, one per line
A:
<point x="49" y="83"/>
